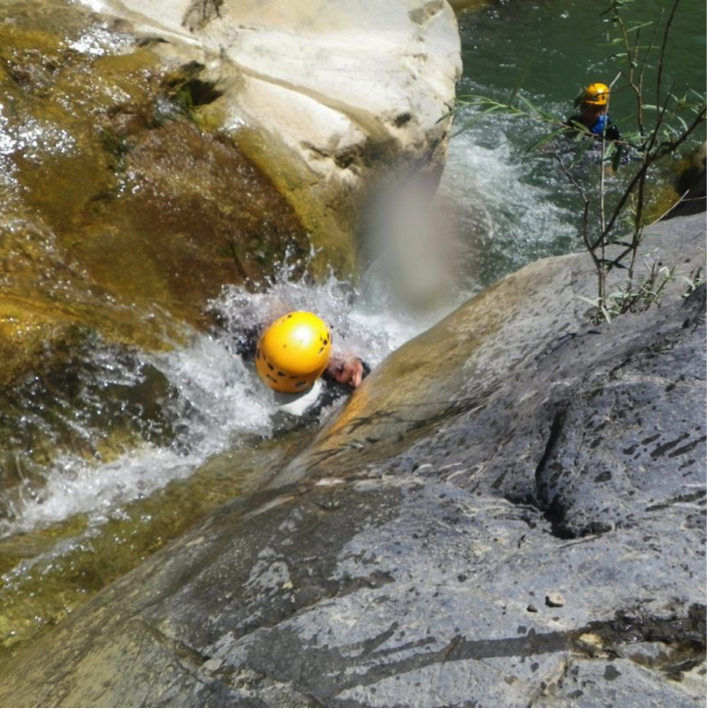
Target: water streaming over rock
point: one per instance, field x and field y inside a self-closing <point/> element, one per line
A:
<point x="505" y="220"/>
<point x="175" y="415"/>
<point x="195" y="414"/>
<point x="209" y="398"/>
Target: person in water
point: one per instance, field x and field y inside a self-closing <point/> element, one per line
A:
<point x="594" y="104"/>
<point x="293" y="356"/>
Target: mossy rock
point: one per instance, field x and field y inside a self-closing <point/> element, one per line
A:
<point x="120" y="213"/>
<point x="690" y="184"/>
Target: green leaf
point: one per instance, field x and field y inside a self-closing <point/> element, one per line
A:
<point x="475" y="120"/>
<point x="545" y="139"/>
<point x="521" y="79"/>
<point x="640" y="26"/>
<point x="580" y="153"/>
<point x="616" y="162"/>
<point x="527" y="102"/>
<point x="547" y="116"/>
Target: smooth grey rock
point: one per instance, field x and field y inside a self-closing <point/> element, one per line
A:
<point x="618" y="683"/>
<point x="512" y="452"/>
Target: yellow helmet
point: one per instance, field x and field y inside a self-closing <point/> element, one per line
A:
<point x="596" y="95"/>
<point x="293" y="352"/>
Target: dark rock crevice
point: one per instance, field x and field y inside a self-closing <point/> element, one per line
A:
<point x="200" y="13"/>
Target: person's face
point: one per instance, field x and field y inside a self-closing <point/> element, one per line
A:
<point x="349" y="373"/>
<point x="593" y="112"/>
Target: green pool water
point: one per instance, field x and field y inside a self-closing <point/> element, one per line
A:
<point x="563" y="45"/>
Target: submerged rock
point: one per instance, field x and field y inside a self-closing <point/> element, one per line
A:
<point x="691" y="185"/>
<point x="511" y="453"/>
<point x="460" y="6"/>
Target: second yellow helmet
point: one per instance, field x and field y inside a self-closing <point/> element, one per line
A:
<point x="293" y="352"/>
<point x="596" y="95"/>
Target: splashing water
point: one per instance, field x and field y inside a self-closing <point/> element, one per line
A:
<point x="98" y="40"/>
<point x="512" y="208"/>
<point x="364" y="321"/>
<point x="214" y="400"/>
<point x="510" y="211"/>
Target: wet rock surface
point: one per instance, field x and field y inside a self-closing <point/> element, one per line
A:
<point x="145" y="162"/>
<point x="405" y="558"/>
<point x="120" y="215"/>
<point x="147" y="159"/>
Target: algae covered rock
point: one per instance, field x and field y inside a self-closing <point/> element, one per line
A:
<point x="139" y="175"/>
<point x="690" y="184"/>
<point x="149" y="156"/>
<point x="117" y="209"/>
<point x="460" y="6"/>
<point x="121" y="216"/>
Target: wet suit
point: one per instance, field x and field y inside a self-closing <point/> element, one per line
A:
<point x="597" y="128"/>
<point x="246" y="345"/>
<point x="602" y="125"/>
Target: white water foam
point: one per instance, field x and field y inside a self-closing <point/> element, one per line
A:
<point x="364" y="322"/>
<point x="215" y="398"/>
<point x="507" y="202"/>
<point x="98" y="41"/>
